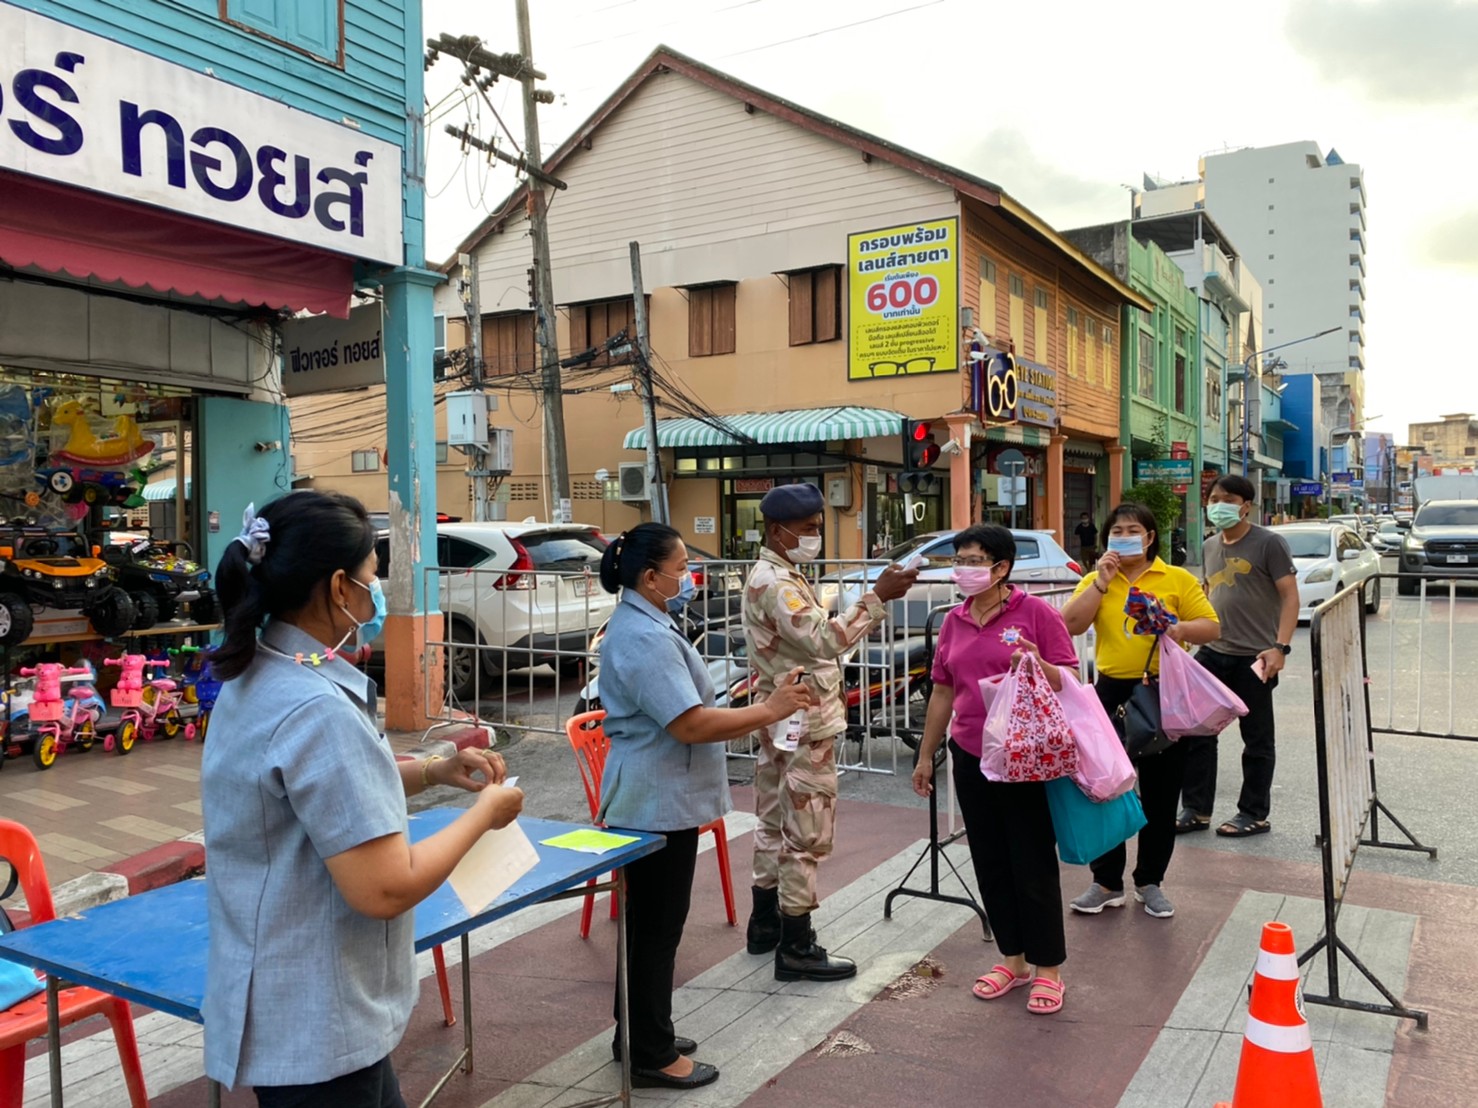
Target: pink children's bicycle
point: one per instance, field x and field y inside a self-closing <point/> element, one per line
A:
<point x="57" y="723"/>
<point x="149" y="706"/>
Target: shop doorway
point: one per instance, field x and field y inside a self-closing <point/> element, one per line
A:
<point x="894" y="519"/>
<point x="744" y="526"/>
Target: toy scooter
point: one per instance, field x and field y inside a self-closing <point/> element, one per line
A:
<point x="53" y="726"/>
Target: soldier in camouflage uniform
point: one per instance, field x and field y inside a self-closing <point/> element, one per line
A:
<point x="795" y="791"/>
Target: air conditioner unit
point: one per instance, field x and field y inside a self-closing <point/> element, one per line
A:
<point x="633" y="479"/>
<point x="500" y="451"/>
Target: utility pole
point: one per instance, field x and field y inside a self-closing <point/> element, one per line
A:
<point x="473" y="309"/>
<point x="655" y="486"/>
<point x="554" y="413"/>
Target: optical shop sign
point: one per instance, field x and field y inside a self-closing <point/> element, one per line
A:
<point x="903" y="288"/>
<point x="83" y="111"/>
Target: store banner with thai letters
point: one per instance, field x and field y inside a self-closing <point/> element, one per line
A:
<point x="87" y="112"/>
<point x="903" y="289"/>
<point x="324" y="354"/>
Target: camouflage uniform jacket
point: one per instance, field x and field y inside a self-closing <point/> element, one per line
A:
<point x="785" y="626"/>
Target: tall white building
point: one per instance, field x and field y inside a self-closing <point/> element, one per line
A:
<point x="1298" y="217"/>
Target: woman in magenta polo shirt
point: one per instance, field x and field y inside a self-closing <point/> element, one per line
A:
<point x="1008" y="826"/>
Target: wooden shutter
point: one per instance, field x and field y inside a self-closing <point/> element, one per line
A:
<point x="828" y="304"/>
<point x="724" y="298"/>
<point x="700" y="322"/>
<point x="579" y="328"/>
<point x="802" y="317"/>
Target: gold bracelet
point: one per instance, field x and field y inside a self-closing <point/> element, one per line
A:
<point x="426" y="769"/>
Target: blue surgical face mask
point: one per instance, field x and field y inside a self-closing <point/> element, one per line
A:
<point x="686" y="590"/>
<point x="1126" y="546"/>
<point x="370" y="629"/>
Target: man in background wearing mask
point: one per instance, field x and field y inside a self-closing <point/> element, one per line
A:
<point x="1250" y="579"/>
<point x="795" y="790"/>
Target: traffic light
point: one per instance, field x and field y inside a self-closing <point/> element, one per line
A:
<point x="920" y="452"/>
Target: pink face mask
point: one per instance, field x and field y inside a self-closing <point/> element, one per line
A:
<point x="974" y="580"/>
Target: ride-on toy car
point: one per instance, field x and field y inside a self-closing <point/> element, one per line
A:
<point x="160" y="577"/>
<point x="42" y="569"/>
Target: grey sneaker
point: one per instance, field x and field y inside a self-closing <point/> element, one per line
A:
<point x="1096" y="899"/>
<point x="1155" y="902"/>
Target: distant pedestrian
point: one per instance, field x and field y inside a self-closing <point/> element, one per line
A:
<point x="1087" y="535"/>
<point x="1008" y="825"/>
<point x="1122" y="657"/>
<point x="1249" y="576"/>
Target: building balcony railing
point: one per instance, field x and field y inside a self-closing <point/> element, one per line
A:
<point x="1220" y="280"/>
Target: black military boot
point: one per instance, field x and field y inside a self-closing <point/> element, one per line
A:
<point x="798" y="958"/>
<point x="764" y="920"/>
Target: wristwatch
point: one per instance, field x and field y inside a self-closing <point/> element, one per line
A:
<point x="1287" y="648"/>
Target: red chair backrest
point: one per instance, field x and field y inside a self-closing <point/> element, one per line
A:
<point x="591" y="744"/>
<point x="18" y="847"/>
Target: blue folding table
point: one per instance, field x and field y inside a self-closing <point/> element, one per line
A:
<point x="151" y="948"/>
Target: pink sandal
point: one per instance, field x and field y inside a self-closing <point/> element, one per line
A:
<point x="1045" y="996"/>
<point x="993" y="990"/>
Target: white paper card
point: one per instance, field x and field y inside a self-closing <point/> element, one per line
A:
<point x="490" y="868"/>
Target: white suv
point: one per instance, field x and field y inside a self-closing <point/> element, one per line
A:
<point x="525" y="593"/>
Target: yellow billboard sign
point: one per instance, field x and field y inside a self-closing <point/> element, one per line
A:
<point x="903" y="285"/>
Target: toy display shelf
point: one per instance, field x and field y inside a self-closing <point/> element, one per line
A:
<point x="92" y="636"/>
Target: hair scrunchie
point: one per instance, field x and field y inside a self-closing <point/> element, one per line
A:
<point x="255" y="534"/>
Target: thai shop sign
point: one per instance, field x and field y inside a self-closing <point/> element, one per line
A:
<point x="324" y="354"/>
<point x="903" y="289"/>
<point x="90" y="113"/>
<point x="1170" y="471"/>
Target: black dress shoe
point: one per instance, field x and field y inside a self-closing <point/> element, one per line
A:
<point x="703" y="1074"/>
<point x="684" y="1046"/>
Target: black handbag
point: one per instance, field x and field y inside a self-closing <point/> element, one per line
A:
<point x="1138" y="719"/>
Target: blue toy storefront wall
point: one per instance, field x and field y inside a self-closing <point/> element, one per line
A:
<point x="232" y="471"/>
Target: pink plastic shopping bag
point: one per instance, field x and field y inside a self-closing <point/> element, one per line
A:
<point x="1192" y="700"/>
<point x="1104" y="769"/>
<point x="1026" y="735"/>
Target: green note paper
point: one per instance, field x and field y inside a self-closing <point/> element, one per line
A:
<point x="588" y="840"/>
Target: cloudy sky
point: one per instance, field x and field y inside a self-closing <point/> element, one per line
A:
<point x="1064" y="103"/>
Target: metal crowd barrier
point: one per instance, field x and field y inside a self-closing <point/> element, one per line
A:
<point x="1416" y="659"/>
<point x="523" y="649"/>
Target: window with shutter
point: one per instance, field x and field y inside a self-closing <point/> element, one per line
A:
<point x="313" y="27"/>
<point x="815" y="305"/>
<point x="711" y="320"/>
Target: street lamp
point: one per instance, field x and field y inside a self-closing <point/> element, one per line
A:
<point x="1247" y="376"/>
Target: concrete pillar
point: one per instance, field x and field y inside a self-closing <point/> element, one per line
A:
<point x="961" y="479"/>
<point x="1055" y="462"/>
<point x="410" y="409"/>
<point x="1116" y="467"/>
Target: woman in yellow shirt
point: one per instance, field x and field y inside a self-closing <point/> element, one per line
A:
<point x="1130" y="538"/>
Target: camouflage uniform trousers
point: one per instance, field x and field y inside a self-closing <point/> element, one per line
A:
<point x="795" y="799"/>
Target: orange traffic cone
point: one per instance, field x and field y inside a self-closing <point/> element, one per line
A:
<point x="1277" y="1068"/>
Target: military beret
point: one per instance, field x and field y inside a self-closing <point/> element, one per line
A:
<point x="792" y="502"/>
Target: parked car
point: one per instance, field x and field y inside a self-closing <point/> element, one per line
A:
<point x="1441" y="543"/>
<point x="1329" y="557"/>
<point x="530" y="595"/>
<point x="1388" y="537"/>
<point x="1040" y="564"/>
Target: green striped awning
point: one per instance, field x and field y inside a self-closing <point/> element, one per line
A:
<point x="1015" y="433"/>
<point x="164" y="489"/>
<point x="772" y="428"/>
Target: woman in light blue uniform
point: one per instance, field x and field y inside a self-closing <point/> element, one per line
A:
<point x="310" y="976"/>
<point x="665" y="773"/>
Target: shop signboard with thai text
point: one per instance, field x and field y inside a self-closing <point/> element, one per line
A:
<point x="903" y="289"/>
<point x="1169" y="471"/>
<point x="325" y="354"/>
<point x="89" y="113"/>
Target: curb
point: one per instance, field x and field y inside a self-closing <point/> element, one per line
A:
<point x="163" y="865"/>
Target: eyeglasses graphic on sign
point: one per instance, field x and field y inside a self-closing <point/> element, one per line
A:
<point x="901" y="369"/>
<point x="1001" y="389"/>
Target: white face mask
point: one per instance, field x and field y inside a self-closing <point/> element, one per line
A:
<point x="807" y="548"/>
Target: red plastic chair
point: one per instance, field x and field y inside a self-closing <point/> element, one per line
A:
<point x="591" y="745"/>
<point x="27" y="1020"/>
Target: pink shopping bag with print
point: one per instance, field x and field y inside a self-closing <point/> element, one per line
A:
<point x="1192" y="700"/>
<point x="1026" y="735"/>
<point x="1104" y="769"/>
